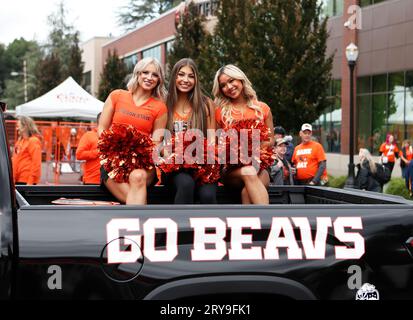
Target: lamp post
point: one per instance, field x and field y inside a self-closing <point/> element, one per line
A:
<point x="25" y="75"/>
<point x="351" y="55"/>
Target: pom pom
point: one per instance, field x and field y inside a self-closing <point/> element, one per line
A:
<point x="194" y="156"/>
<point x="250" y="134"/>
<point x="123" y="149"/>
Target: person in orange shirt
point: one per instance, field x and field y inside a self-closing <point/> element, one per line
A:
<point x="237" y="100"/>
<point x="88" y="150"/>
<point x="143" y="107"/>
<point x="389" y="152"/>
<point x="189" y="109"/>
<point x="27" y="156"/>
<point x="309" y="159"/>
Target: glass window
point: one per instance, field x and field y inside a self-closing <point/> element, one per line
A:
<point x="396" y="119"/>
<point x="154" y="52"/>
<point x="327" y="128"/>
<point x="391" y="108"/>
<point x="336" y="88"/>
<point x="409" y="113"/>
<point x="396" y="81"/>
<point x="409" y="79"/>
<point x="380" y="83"/>
<point x="379" y="119"/>
<point x="364" y="3"/>
<point x="130" y="62"/>
<point x="364" y="85"/>
<point x="364" y="116"/>
<point x="332" y="8"/>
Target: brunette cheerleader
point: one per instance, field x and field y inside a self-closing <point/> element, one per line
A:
<point x="188" y="108"/>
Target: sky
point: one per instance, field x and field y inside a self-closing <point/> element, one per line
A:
<point x="28" y="18"/>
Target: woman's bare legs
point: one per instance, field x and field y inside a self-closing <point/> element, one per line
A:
<point x="135" y="191"/>
<point x="254" y="190"/>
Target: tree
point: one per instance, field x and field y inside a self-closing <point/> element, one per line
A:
<point x="113" y="76"/>
<point x="280" y="45"/>
<point x="46" y="73"/>
<point x="231" y="37"/>
<point x="290" y="71"/>
<point x="191" y="41"/>
<point x="16" y="53"/>
<point x="138" y="11"/>
<point x="3" y="68"/>
<point x="229" y="42"/>
<point x="75" y="64"/>
<point x="63" y="41"/>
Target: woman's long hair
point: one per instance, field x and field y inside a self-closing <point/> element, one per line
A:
<point x="198" y="101"/>
<point x="29" y="126"/>
<point x="224" y="102"/>
<point x="366" y="155"/>
<point x="159" y="92"/>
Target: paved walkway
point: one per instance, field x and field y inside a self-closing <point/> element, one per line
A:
<point x="66" y="176"/>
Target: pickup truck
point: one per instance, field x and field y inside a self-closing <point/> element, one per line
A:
<point x="309" y="243"/>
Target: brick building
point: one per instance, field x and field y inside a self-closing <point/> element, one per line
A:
<point x="384" y="72"/>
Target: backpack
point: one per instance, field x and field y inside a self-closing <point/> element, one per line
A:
<point x="383" y="174"/>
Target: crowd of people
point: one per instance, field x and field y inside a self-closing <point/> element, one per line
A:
<point x="151" y="109"/>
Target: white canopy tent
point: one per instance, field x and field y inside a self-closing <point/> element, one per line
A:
<point x="67" y="100"/>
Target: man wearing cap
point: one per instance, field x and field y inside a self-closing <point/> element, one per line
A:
<point x="309" y="159"/>
<point x="279" y="132"/>
<point x="281" y="171"/>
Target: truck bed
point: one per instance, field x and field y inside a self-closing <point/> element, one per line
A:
<point x="161" y="195"/>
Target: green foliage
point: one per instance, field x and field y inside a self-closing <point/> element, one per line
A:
<point x="47" y="73"/>
<point x="280" y="45"/>
<point x="291" y="72"/>
<point x="75" y="64"/>
<point x="190" y="41"/>
<point x="113" y="76"/>
<point x="337" y="182"/>
<point x="12" y="59"/>
<point x="397" y="186"/>
<point x="138" y="11"/>
<point x="61" y="49"/>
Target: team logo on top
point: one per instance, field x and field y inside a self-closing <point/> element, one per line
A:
<point x="367" y="292"/>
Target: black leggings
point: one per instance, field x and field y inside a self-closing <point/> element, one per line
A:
<point x="185" y="187"/>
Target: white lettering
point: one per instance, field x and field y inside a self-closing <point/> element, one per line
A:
<point x="201" y="238"/>
<point x="171" y="231"/>
<point x="303" y="152"/>
<point x="237" y="252"/>
<point x="343" y="252"/>
<point x="115" y="255"/>
<point x="318" y="249"/>
<point x="288" y="241"/>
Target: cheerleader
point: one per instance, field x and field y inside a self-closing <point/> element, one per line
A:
<point x="237" y="100"/>
<point x="188" y="108"/>
<point x="143" y="107"/>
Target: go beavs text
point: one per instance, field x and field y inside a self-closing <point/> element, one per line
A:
<point x="209" y="243"/>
